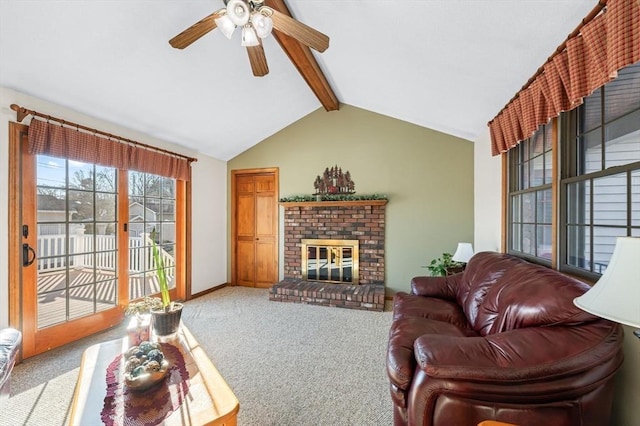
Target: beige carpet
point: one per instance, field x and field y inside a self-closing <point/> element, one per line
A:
<point x="288" y="364"/>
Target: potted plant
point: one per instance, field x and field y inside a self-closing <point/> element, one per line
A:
<point x="444" y="265"/>
<point x="165" y="314"/>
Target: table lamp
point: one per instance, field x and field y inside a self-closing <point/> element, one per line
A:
<point x="616" y="295"/>
<point x="463" y="253"/>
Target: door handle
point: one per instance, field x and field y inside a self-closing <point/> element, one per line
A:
<point x="26" y="251"/>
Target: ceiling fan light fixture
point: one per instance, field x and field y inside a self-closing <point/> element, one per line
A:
<point x="225" y="25"/>
<point x="249" y="36"/>
<point x="262" y="24"/>
<point x="239" y="12"/>
<point x="257" y="21"/>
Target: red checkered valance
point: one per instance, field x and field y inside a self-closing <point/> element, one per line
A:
<point x="65" y="142"/>
<point x="608" y="42"/>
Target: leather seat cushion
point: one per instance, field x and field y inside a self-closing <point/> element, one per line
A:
<point x="401" y="361"/>
<point x="410" y="305"/>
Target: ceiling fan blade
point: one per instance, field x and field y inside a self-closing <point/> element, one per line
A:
<point x="301" y="32"/>
<point x="258" y="60"/>
<point x="195" y="31"/>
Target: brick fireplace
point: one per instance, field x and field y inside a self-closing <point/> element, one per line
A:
<point x="363" y="221"/>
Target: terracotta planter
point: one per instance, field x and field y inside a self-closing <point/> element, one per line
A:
<point x="166" y="323"/>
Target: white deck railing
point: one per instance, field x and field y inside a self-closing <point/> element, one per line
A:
<point x="81" y="253"/>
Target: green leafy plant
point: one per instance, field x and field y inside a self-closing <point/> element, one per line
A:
<point x="439" y="266"/>
<point x="148" y="303"/>
<point x="161" y="272"/>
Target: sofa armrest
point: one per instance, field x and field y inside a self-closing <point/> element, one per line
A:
<point x="538" y="366"/>
<point x="441" y="287"/>
<point x="521" y="355"/>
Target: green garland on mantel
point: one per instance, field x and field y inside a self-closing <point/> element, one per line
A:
<point x="332" y="197"/>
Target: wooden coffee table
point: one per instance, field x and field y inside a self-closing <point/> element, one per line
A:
<point x="209" y="400"/>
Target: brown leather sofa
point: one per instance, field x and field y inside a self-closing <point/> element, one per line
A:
<point x="500" y="341"/>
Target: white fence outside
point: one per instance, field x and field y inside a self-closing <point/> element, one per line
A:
<point x="81" y="253"/>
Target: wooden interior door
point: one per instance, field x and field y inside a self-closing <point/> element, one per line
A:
<point x="255" y="227"/>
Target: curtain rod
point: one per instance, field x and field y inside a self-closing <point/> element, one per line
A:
<point x="594" y="12"/>
<point x="22" y="112"/>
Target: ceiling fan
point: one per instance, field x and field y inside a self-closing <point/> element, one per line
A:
<point x="257" y="21"/>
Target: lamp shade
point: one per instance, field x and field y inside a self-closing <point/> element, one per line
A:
<point x="249" y="37"/>
<point x="616" y="295"/>
<point x="238" y="11"/>
<point x="225" y="25"/>
<point x="262" y="24"/>
<point x="463" y="253"/>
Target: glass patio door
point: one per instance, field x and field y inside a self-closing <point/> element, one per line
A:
<point x="77" y="251"/>
<point x="152" y="219"/>
<point x="75" y="254"/>
<point x="80" y="239"/>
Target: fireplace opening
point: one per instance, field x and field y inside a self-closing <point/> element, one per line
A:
<point x="332" y="261"/>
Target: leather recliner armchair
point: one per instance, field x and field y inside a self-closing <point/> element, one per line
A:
<point x="500" y="341"/>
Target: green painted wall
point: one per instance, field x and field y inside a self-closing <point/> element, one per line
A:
<point x="427" y="175"/>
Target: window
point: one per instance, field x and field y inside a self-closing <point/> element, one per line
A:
<point x="600" y="179"/>
<point x="530" y="200"/>
<point x="599" y="186"/>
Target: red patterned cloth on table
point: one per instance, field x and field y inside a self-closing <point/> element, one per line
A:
<point x="148" y="408"/>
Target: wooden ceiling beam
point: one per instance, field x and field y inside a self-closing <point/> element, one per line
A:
<point x="302" y="58"/>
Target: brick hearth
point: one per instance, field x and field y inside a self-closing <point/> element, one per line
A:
<point x="341" y="220"/>
<point x="368" y="297"/>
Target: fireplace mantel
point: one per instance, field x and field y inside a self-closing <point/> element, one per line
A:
<point x="330" y="203"/>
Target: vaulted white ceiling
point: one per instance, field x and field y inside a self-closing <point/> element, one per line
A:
<point x="449" y="65"/>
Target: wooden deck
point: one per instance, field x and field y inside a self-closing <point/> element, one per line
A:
<point x="87" y="293"/>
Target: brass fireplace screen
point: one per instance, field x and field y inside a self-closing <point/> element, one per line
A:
<point x="334" y="261"/>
